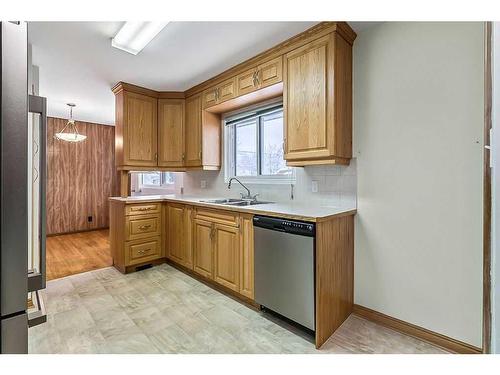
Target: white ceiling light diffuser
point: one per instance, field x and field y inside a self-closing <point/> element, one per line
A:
<point x="134" y="36"/>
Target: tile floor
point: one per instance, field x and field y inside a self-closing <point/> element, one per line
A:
<point x="162" y="310"/>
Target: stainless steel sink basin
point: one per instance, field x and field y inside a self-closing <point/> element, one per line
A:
<point x="221" y="201"/>
<point x="234" y="202"/>
<point x="246" y="203"/>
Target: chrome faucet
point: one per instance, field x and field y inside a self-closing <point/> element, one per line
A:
<point x="243" y="196"/>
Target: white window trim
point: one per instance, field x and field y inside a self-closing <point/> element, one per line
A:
<point x="229" y="161"/>
<point x="161" y="187"/>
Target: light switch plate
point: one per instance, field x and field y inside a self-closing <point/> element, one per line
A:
<point x="203" y="184"/>
<point x="314" y="186"/>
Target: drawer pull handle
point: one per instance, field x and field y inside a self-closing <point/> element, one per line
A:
<point x="144" y="227"/>
<point x="144" y="208"/>
<point x="142" y="252"/>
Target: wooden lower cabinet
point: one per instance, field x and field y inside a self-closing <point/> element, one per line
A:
<point x="216" y="244"/>
<point x="246" y="256"/>
<point x="226" y="244"/>
<point x="203" y="232"/>
<point x="141" y="251"/>
<point x="178" y="232"/>
<point x="134" y="239"/>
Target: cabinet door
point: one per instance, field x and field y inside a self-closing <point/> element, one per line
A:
<point x="270" y="72"/>
<point x="175" y="232"/>
<point x="203" y="245"/>
<point x="246" y="82"/>
<point x="193" y="131"/>
<point x="226" y="90"/>
<point x="171" y="132"/>
<point x="210" y="97"/>
<point x="188" y="237"/>
<point x="226" y="256"/>
<point x="140" y="130"/>
<point x="246" y="256"/>
<point x="305" y="101"/>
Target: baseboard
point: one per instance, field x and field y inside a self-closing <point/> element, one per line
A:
<point x="409" y="329"/>
<point x="76" y="231"/>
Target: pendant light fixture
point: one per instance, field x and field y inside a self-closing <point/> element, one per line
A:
<point x="71" y="135"/>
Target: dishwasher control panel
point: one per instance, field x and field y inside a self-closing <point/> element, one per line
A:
<point x="283" y="225"/>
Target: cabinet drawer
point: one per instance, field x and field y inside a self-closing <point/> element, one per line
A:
<point x="218" y="216"/>
<point x="142" y="209"/>
<point x="142" y="226"/>
<point x="143" y="250"/>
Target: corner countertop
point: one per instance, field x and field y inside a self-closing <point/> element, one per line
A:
<point x="296" y="211"/>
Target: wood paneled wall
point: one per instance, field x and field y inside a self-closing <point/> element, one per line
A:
<point x="80" y="178"/>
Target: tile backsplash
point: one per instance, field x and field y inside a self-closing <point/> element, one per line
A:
<point x="337" y="185"/>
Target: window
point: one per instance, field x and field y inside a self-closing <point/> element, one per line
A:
<point x="254" y="146"/>
<point x="156" y="180"/>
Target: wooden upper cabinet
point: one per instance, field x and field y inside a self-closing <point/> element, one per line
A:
<point x="270" y="72"/>
<point x="136" y="130"/>
<point x="171" y="132"/>
<point x="193" y="131"/>
<point x="210" y="97"/>
<point x="202" y="136"/>
<point x="247" y="82"/>
<point x="226" y="90"/>
<point x="317" y="102"/>
<point x="264" y="75"/>
<point x="220" y="93"/>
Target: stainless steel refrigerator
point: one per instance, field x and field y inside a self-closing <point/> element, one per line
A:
<point x="20" y="283"/>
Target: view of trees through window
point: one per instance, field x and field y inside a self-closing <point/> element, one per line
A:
<point x="156" y="179"/>
<point x="259" y="145"/>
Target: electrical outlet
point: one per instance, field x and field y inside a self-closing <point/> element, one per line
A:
<point x="314" y="186"/>
<point x="203" y="184"/>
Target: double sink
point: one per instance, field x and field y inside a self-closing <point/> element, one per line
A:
<point x="235" y="202"/>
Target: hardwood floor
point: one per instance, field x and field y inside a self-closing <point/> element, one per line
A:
<point x="69" y="254"/>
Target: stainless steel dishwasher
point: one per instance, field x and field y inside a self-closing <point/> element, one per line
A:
<point x="284" y="268"/>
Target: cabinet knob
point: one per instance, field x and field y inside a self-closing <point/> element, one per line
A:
<point x="144" y="227"/>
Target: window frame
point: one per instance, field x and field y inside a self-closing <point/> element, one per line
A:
<point x="163" y="185"/>
<point x="230" y="148"/>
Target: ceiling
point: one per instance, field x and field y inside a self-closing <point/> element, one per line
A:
<point x="77" y="63"/>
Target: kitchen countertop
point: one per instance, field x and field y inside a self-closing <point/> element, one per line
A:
<point x="297" y="211"/>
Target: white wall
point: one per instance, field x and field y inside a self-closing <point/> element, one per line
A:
<point x="418" y="138"/>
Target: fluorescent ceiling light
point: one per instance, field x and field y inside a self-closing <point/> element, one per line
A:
<point x="134" y="36"/>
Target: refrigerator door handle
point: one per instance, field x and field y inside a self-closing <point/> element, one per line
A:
<point x="37" y="278"/>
